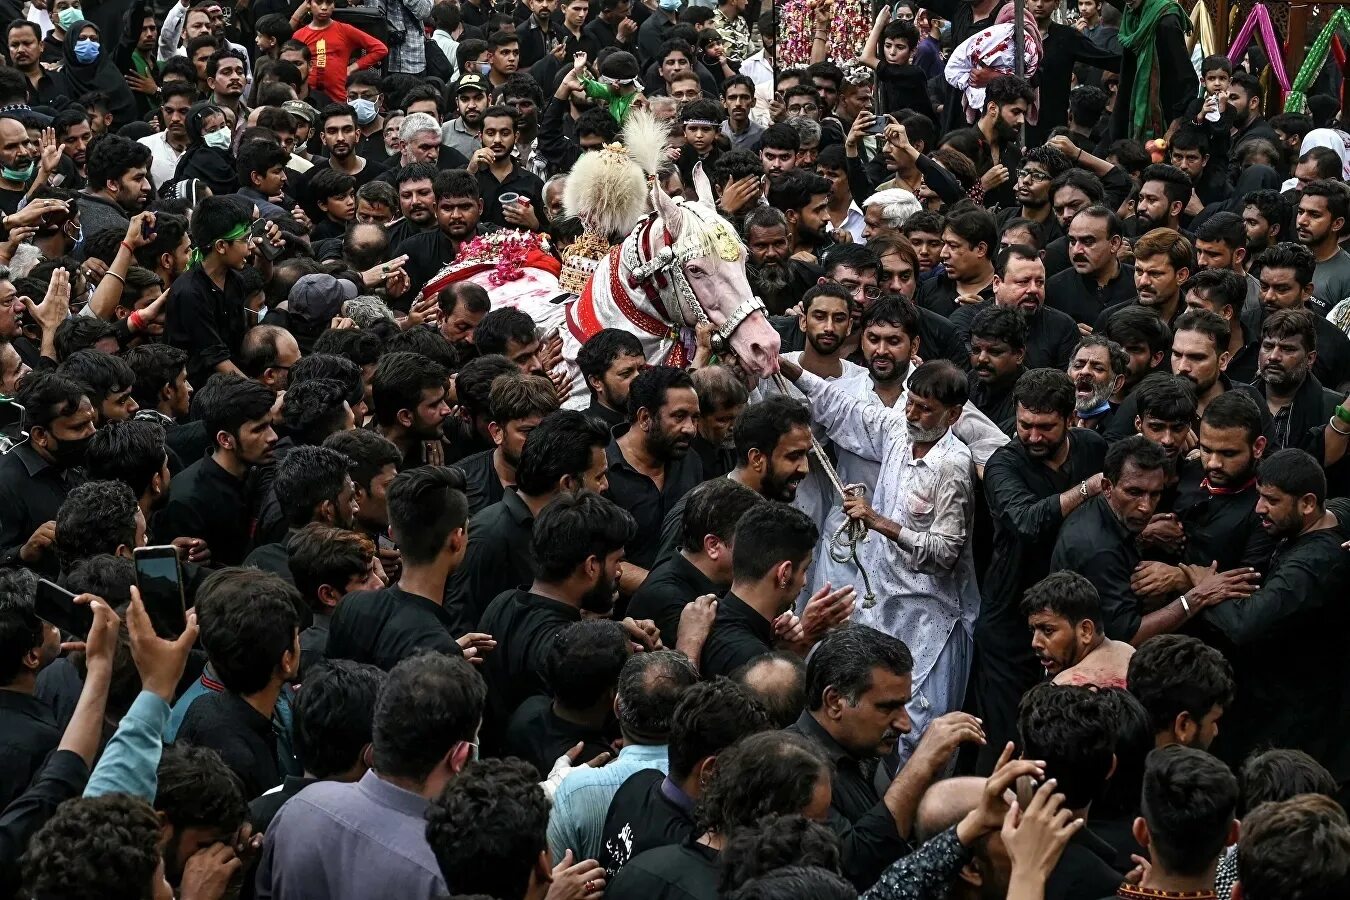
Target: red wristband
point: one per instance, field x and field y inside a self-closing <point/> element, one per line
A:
<point x="130" y="249"/>
<point x="135" y="321"/>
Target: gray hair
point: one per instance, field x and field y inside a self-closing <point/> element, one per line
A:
<point x="897" y="205"/>
<point x="414" y="124"/>
<point x="763" y="217"/>
<point x="366" y="310"/>
<point x="663" y="108"/>
<point x="650" y="684"/>
<point x="808" y="130"/>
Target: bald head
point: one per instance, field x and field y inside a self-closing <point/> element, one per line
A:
<point x="778" y="681"/>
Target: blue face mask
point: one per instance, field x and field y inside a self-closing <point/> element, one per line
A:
<point x="484" y="68"/>
<point x="365" y="111"/>
<point x="69" y="16"/>
<point x="671" y="5"/>
<point x="20" y="175"/>
<point x="86" y="51"/>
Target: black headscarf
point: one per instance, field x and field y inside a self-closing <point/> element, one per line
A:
<point x="101" y="76"/>
<point x="212" y="166"/>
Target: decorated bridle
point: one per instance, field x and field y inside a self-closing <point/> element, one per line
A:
<point x="661" y="273"/>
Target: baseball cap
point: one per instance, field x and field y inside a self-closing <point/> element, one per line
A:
<point x="472" y="83"/>
<point x="317" y="299"/>
<point x="302" y="109"/>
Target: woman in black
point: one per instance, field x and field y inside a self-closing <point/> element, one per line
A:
<point x="208" y="158"/>
<point x="87" y="66"/>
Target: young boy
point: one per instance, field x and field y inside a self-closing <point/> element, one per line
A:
<point x="273" y="30"/>
<point x="334" y="194"/>
<point x="901" y="84"/>
<point x="1212" y="104"/>
<point x="701" y="122"/>
<point x="332" y="45"/>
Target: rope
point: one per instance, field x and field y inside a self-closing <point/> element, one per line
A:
<point x="843" y="545"/>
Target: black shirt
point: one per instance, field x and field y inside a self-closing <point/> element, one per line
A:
<point x="939" y="295"/>
<point x="1100" y="325"/>
<point x="648" y="504"/>
<point x="1221" y="524"/>
<point x="264" y="809"/>
<point x="314" y="643"/>
<point x="685" y="871"/>
<point x="1097" y="545"/>
<point x="205" y="321"/>
<point x="224" y="722"/>
<point x="1051" y="335"/>
<point x="539" y="736"/>
<point x="666" y="591"/>
<point x="610" y="417"/>
<point x="482" y="486"/>
<point x="28" y="733"/>
<point x="524" y="625"/>
<point x="31" y="492"/>
<point x="499" y="558"/>
<point x="428" y="252"/>
<point x="207" y="502"/>
<point x="717" y="461"/>
<point x="387" y="626"/>
<point x="272" y="558"/>
<point x="739" y="634"/>
<point x="1080" y="296"/>
<point x="1300" y="423"/>
<point x="64" y="776"/>
<point x="1286" y="644"/>
<point x="518" y="180"/>
<point x="1064" y="47"/>
<point x="648" y="810"/>
<point x="995" y="398"/>
<point x="1084" y="870"/>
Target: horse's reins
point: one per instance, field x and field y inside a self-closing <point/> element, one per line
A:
<point x="843" y="545"/>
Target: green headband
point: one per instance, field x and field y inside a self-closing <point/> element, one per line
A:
<point x="234" y="234"/>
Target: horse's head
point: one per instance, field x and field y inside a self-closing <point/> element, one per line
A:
<point x="711" y="261"/>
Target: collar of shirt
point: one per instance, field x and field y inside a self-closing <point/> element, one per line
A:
<point x="242" y="713"/>
<point x="810" y="728"/>
<point x="736" y="608"/>
<point x="31" y="459"/>
<point x="691" y="573"/>
<point x="392" y="796"/>
<point x="526" y="598"/>
<point x="520" y="513"/>
<point x="26" y="705"/>
<point x="672" y="792"/>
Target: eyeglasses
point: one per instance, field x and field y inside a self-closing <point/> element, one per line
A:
<point x="802" y="108"/>
<point x="1032" y="175"/>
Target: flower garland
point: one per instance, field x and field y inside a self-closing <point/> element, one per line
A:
<point x="507" y="251"/>
<point x="849" y="29"/>
<point x="1297" y="100"/>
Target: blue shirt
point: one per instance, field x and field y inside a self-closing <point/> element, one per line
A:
<point x="577" y="820"/>
<point x="344" y="841"/>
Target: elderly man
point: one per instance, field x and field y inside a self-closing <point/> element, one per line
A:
<point x="888" y="210"/>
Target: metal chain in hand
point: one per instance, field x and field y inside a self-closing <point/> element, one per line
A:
<point x="843" y="545"/>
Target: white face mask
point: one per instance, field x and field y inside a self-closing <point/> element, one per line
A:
<point x="220" y="139"/>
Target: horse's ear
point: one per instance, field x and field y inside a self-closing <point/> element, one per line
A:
<point x="669" y="211"/>
<point x="703" y="187"/>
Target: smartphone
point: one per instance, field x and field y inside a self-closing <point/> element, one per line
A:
<point x="879" y="125"/>
<point x="384" y="542"/>
<point x="263" y="244"/>
<point x="56" y="605"/>
<point x="147" y="231"/>
<point x="159" y="576"/>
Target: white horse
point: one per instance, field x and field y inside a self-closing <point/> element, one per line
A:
<point x="681" y="266"/>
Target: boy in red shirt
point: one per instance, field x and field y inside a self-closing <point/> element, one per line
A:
<point x="331" y="45"/>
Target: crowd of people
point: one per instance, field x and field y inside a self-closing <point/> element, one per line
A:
<point x="1018" y="580"/>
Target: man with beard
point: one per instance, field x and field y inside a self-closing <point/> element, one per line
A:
<point x="522" y="93"/>
<point x="459" y="206"/>
<point x="25" y="54"/>
<point x="1040" y="167"/>
<point x="339" y="134"/>
<point x="312" y="484"/>
<point x="1163" y="260"/>
<point x="1319" y="223"/>
<point x="1221" y="245"/>
<point x="578" y="546"/>
<point x="1284" y="635"/>
<point x="1287" y="273"/>
<point x="409" y="391"/>
<point x="804" y="198"/>
<point x="416" y="202"/>
<point x="118" y="183"/>
<point x="1098" y="279"/>
<point x="609" y="361"/>
<point x="1216" y="501"/>
<point x="462" y="132"/>
<point x="998" y="343"/>
<point x="168" y="145"/>
<point x="1098" y="541"/>
<point x="722" y="396"/>
<point x="1098" y="367"/>
<point x="39" y="473"/>
<point x="1064" y="614"/>
<point x="1164" y="193"/>
<point x="1292" y="393"/>
<point x="1244" y="98"/>
<point x="498" y="174"/>
<point x="420" y="140"/>
<point x="1224" y="293"/>
<point x="1031" y="485"/>
<point x="225" y="74"/>
<point x="73" y="134"/>
<point x="1266" y="216"/>
<point x="1006" y="101"/>
<point x="650" y="466"/>
<point x="969" y="244"/>
<point x="778" y="280"/>
<point x="1019" y="283"/>
<point x="773" y="442"/>
<point x="922" y="502"/>
<point x="1146" y="340"/>
<point x="517" y="403"/>
<point x="1165" y="414"/>
<point x="537" y="34"/>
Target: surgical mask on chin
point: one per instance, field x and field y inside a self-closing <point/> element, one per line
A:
<point x="11" y="174"/>
<point x="69" y="16"/>
<point x="365" y="111"/>
<point x="86" y="51"/>
<point x="671" y="5"/>
<point x="484" y="68"/>
<point x="220" y="139"/>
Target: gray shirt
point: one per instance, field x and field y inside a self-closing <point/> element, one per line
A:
<point x="454" y="134"/>
<point x="1331" y="280"/>
<point x="747" y="139"/>
<point x="97" y="214"/>
<point x="335" y="841"/>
